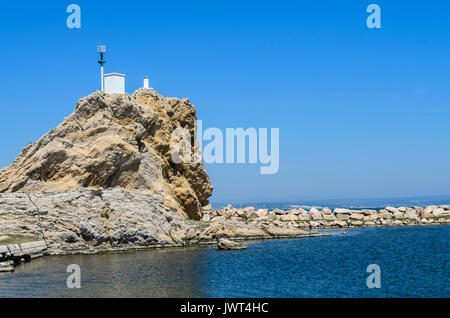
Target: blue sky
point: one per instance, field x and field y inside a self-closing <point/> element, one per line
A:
<point x="362" y="113"/>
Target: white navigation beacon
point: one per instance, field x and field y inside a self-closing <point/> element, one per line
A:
<point x="146" y="82"/>
<point x="101" y="49"/>
<point x="114" y="83"/>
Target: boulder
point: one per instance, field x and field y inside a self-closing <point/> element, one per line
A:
<point x="278" y="211"/>
<point x="221" y="212"/>
<point x="304" y="216"/>
<point x="262" y="212"/>
<point x="206" y="218"/>
<point x="241" y="213"/>
<point x="385" y="214"/>
<point x="326" y="211"/>
<point x="438" y="212"/>
<point x="252" y="215"/>
<point x="6" y="267"/>
<point x="329" y="217"/>
<point x="224" y="244"/>
<point x="398" y="215"/>
<point x="339" y="223"/>
<point x="357" y="216"/>
<point x="208" y="209"/>
<point x="391" y="209"/>
<point x="288" y="217"/>
<point x="218" y="219"/>
<point x="429" y="209"/>
<point x="426" y="213"/>
<point x="411" y="214"/>
<point x="343" y="216"/>
<point x="368" y="212"/>
<point x="315" y="214"/>
<point x="4" y="238"/>
<point x="342" y="211"/>
<point x="370" y="217"/>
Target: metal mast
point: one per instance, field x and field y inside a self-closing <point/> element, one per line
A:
<point x="101" y="49"/>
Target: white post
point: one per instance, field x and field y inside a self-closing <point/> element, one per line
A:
<point x="146" y="84"/>
<point x="102" y="78"/>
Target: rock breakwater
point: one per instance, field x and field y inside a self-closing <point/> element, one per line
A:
<point x="337" y="218"/>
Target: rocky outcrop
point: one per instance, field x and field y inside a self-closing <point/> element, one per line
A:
<point x="116" y="141"/>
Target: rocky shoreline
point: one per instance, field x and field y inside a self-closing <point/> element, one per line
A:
<point x="105" y="180"/>
<point x="92" y="221"/>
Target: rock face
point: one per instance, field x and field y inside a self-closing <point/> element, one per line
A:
<point x="120" y="141"/>
<point x="90" y="219"/>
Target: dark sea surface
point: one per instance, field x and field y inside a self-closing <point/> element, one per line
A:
<point x="414" y="262"/>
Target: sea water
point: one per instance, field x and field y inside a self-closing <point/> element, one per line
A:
<point x="413" y="262"/>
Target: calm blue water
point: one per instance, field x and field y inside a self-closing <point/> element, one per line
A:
<point x="414" y="262"/>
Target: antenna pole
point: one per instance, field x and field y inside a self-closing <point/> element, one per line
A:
<point x="102" y="71"/>
<point x="102" y="50"/>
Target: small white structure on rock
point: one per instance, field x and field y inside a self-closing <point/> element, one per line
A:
<point x="146" y="82"/>
<point x="114" y="83"/>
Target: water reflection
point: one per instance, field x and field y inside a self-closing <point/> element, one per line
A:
<point x="152" y="273"/>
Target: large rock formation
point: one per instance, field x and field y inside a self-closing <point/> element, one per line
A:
<point x="116" y="141"/>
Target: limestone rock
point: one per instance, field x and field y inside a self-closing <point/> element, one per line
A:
<point x="278" y="211"/>
<point x="289" y="217"/>
<point x="315" y="214"/>
<point x="339" y="223"/>
<point x="342" y="211"/>
<point x="224" y="244"/>
<point x="304" y="216"/>
<point x="357" y="216"/>
<point x="398" y="215"/>
<point x="328" y="217"/>
<point x="438" y="212"/>
<point x="262" y="212"/>
<point x="391" y="209"/>
<point x="78" y="220"/>
<point x="326" y="211"/>
<point x="411" y="214"/>
<point x="115" y="140"/>
<point x="6" y="267"/>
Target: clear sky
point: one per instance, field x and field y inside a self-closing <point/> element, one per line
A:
<point x="362" y="112"/>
